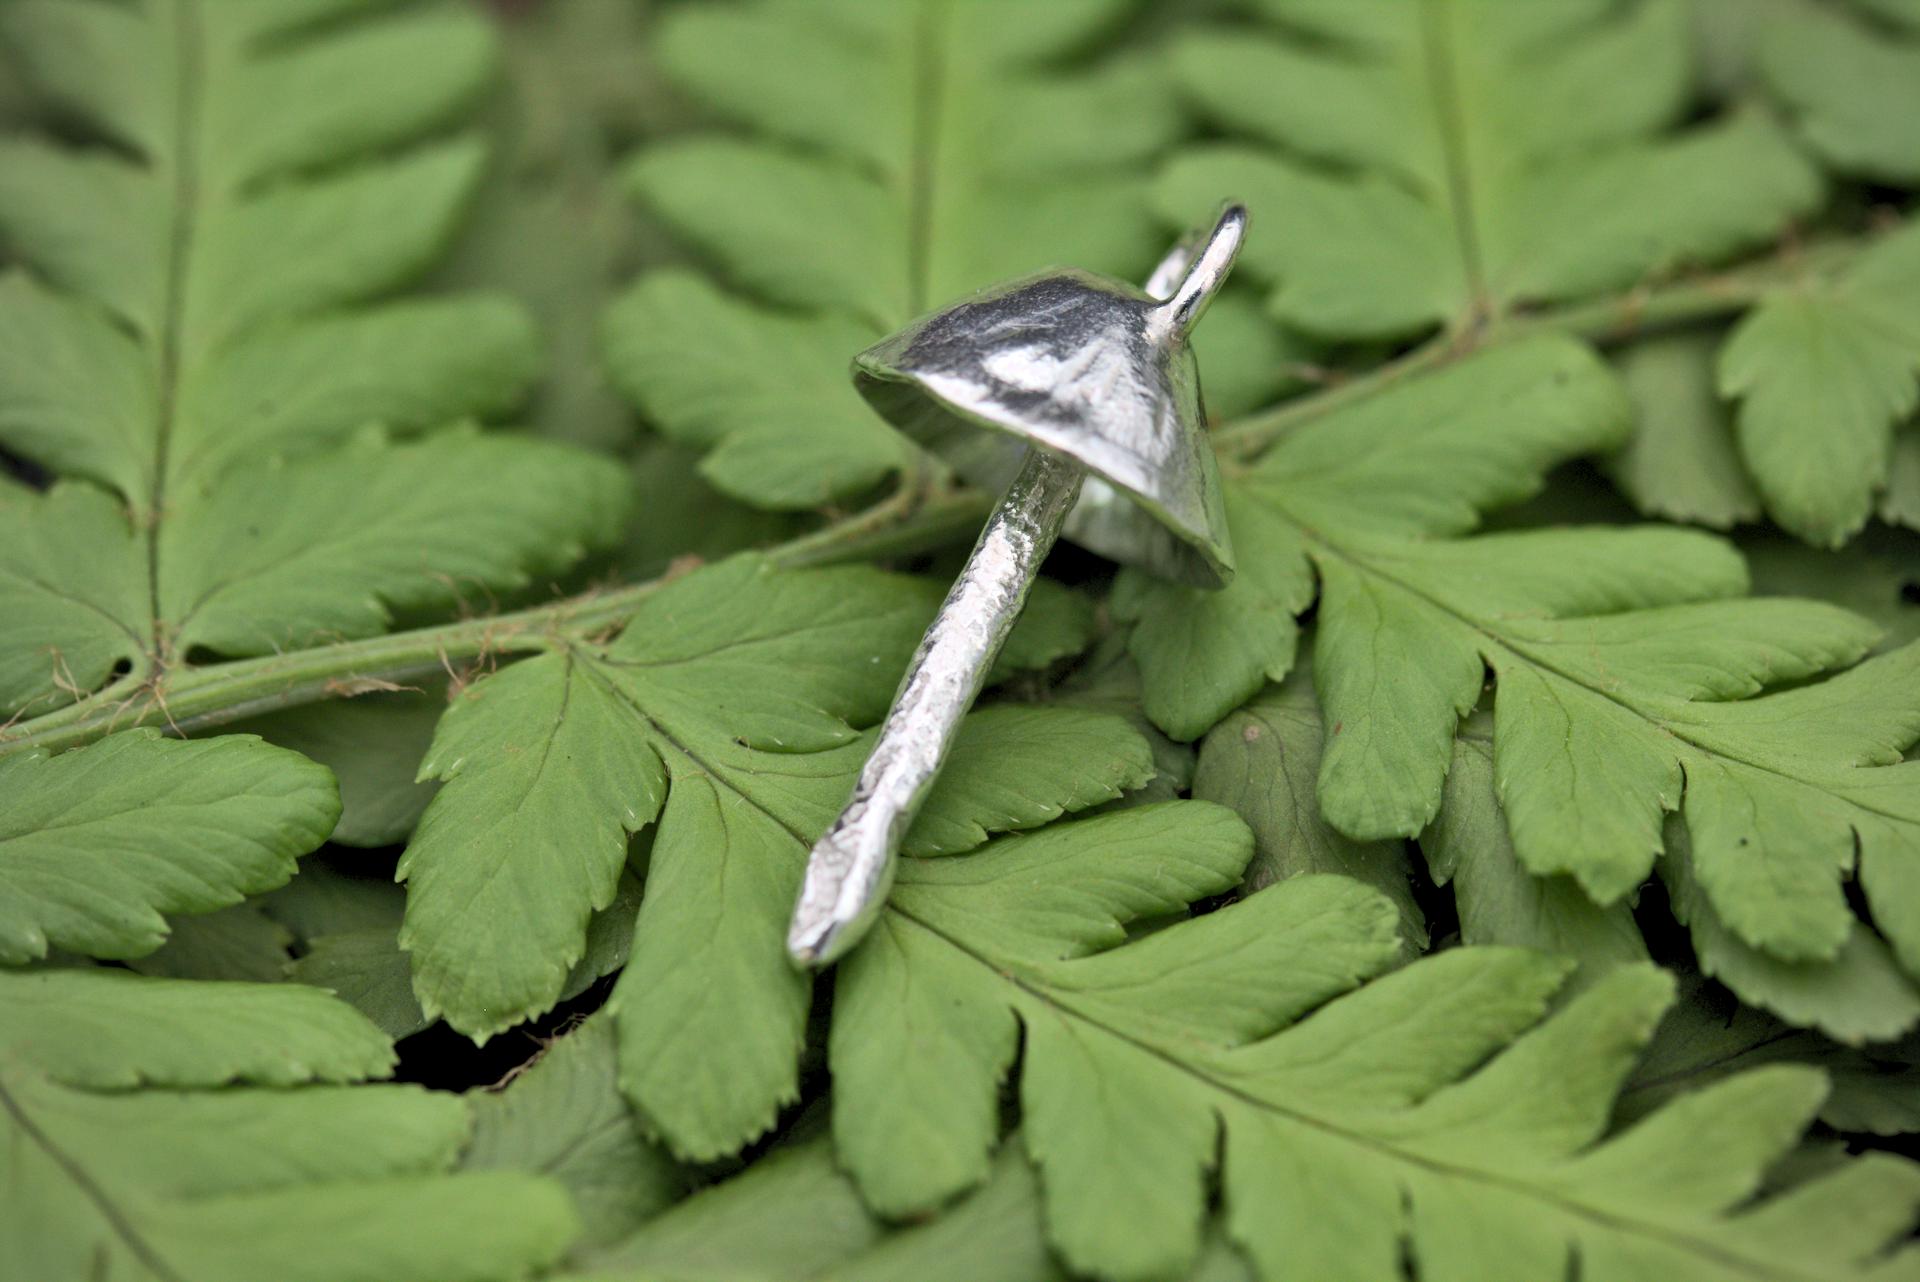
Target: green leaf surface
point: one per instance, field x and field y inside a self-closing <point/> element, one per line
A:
<point x="550" y="225"/>
<point x="373" y="743"/>
<point x="240" y="942"/>
<point x="791" y="1215"/>
<point x="1414" y="165"/>
<point x="1262" y="762"/>
<point x="322" y="1184"/>
<point x="1522" y="408"/>
<point x="335" y="892"/>
<point x="688" y="521"/>
<point x="1707" y="1036"/>
<point x="1878" y="575"/>
<point x="1857" y="995"/>
<point x="794" y="1217"/>
<point x="1901" y="503"/>
<point x="72" y="589"/>
<point x="1853" y="91"/>
<point x="366" y="970"/>
<point x="1824" y="371"/>
<point x="254" y="388"/>
<point x="946" y="154"/>
<point x="102" y="1029"/>
<point x="1108" y="680"/>
<point x="97" y="845"/>
<point x="196" y="357"/>
<point x="1681" y="464"/>
<point x="765" y="396"/>
<point x="1202" y="654"/>
<point x="1250" y="363"/>
<point x="566" y="1119"/>
<point x="1469" y="848"/>
<point x="365" y="966"/>
<point x="355" y="530"/>
<point x="1359" y="1120"/>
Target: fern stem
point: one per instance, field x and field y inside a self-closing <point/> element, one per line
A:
<point x="1612" y="319"/>
<point x="193" y="700"/>
<point x="1619" y="317"/>
<point x="1245" y="438"/>
<point x="909" y="520"/>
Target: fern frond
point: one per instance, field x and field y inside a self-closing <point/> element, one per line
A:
<point x="724" y="714"/>
<point x="1263" y="759"/>
<point x="1824" y="371"/>
<point x="1851" y="85"/>
<point x="105" y="1029"/>
<point x="1706" y="1037"/>
<point x="373" y="744"/>
<point x="1365" y="1117"/>
<point x="903" y="153"/>
<point x="1470" y="848"/>
<point x="1418" y="165"/>
<point x="1683" y="463"/>
<point x="98" y="843"/>
<point x="239" y="1184"/>
<point x="1263" y="762"/>
<point x="791" y="1215"/>
<point x="795" y="1216"/>
<point x="1625" y="662"/>
<point x="235" y="943"/>
<point x="565" y="1118"/>
<point x="192" y="352"/>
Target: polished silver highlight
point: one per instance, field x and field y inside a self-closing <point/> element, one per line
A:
<point x="1089" y="391"/>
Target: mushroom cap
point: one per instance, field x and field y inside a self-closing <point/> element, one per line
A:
<point x="1091" y="369"/>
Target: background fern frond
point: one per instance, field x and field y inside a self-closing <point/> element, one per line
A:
<point x="1624" y="660"/>
<point x="902" y="153"/>
<point x="1355" y="1128"/>
<point x="1414" y="166"/>
<point x="319" y="1182"/>
<point x="254" y="181"/>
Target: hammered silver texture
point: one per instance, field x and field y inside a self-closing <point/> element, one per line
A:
<point x="851" y="868"/>
<point x="1090" y="400"/>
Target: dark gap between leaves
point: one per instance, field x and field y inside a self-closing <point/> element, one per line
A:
<point x="441" y="1059"/>
<point x="25" y="471"/>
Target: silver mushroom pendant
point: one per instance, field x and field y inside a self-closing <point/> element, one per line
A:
<point x="1078" y="395"/>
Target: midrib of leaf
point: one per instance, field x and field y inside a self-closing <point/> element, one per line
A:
<point x="719" y="776"/>
<point x="1710" y="1064"/>
<point x="218" y="584"/>
<point x="1439" y="46"/>
<point x="1070" y="1012"/>
<point x="184" y="164"/>
<point x="55" y="590"/>
<point x="122" y="1226"/>
<point x="504" y="853"/>
<point x="1542" y="663"/>
<point x="931" y="31"/>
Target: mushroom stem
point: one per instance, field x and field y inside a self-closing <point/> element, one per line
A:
<point x="850" y="868"/>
